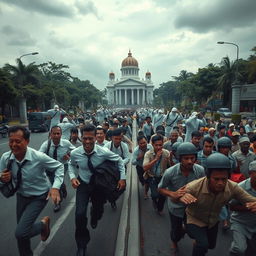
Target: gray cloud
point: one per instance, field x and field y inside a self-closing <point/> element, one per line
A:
<point x="52" y="8"/>
<point x="86" y="7"/>
<point x="221" y="15"/>
<point x="17" y="36"/>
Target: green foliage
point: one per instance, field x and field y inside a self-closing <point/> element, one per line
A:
<point x="46" y="83"/>
<point x="209" y="83"/>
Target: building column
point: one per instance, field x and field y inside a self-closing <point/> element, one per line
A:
<point x="120" y="97"/>
<point x="236" y="98"/>
<point x="125" y="96"/>
<point x="138" y="96"/>
<point x="132" y="96"/>
<point x="143" y="97"/>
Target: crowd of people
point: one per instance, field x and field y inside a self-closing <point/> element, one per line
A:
<point x="204" y="170"/>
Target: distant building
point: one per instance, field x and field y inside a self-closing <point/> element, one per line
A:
<point x="130" y="90"/>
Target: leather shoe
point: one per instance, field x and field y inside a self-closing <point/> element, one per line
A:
<point x="56" y="207"/>
<point x="94" y="222"/>
<point x="81" y="251"/>
<point x="113" y="205"/>
<point x="46" y="228"/>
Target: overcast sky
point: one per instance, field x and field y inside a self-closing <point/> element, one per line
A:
<point x="93" y="37"/>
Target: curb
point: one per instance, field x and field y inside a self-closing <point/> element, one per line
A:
<point x="128" y="236"/>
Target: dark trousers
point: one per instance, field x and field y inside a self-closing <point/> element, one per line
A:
<point x="205" y="238"/>
<point x="177" y="231"/>
<point x="84" y="193"/>
<point x="140" y="172"/>
<point x="27" y="211"/>
<point x="157" y="198"/>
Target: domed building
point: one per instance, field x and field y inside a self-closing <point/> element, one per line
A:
<point x="130" y="90"/>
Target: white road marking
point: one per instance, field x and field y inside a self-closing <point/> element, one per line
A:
<point x="42" y="245"/>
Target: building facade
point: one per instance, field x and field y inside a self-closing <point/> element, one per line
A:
<point x="130" y="90"/>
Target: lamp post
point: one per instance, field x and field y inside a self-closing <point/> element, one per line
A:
<point x="31" y="53"/>
<point x="235" y="87"/>
<point x="22" y="100"/>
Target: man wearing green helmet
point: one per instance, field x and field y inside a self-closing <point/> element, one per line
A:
<point x="204" y="199"/>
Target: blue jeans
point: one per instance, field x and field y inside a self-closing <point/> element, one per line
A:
<point x="27" y="211"/>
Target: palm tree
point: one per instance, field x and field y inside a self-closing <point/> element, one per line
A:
<point x="226" y="79"/>
<point x="23" y="75"/>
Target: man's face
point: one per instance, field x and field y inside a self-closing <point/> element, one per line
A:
<point x="142" y="144"/>
<point x="56" y="135"/>
<point x="232" y="128"/>
<point x="117" y="140"/>
<point x="222" y="131"/>
<point x="235" y="139"/>
<point x="224" y="151"/>
<point x="188" y="161"/>
<point x="218" y="181"/>
<point x="88" y="140"/>
<point x="173" y="137"/>
<point x="100" y="136"/>
<point x="17" y="143"/>
<point x="74" y="136"/>
<point x="207" y="148"/>
<point x="212" y="133"/>
<point x="196" y="140"/>
<point x="244" y="146"/>
<point x="158" y="145"/>
<point x="148" y="120"/>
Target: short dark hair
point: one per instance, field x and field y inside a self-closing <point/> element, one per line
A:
<point x="208" y="139"/>
<point x="56" y="126"/>
<point x="74" y="130"/>
<point x="117" y="132"/>
<point x="196" y="134"/>
<point x="141" y="133"/>
<point x="156" y="138"/>
<point x="253" y="138"/>
<point x="25" y="131"/>
<point x="89" y="128"/>
<point x="140" y="138"/>
<point x="148" y="117"/>
<point x="101" y="129"/>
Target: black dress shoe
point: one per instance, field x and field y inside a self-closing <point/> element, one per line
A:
<point x="93" y="222"/>
<point x="113" y="205"/>
<point x="56" y="207"/>
<point x="81" y="251"/>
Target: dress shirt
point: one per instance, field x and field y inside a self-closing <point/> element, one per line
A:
<point x="102" y="144"/>
<point x="64" y="147"/>
<point x="147" y="129"/>
<point x="161" y="167"/>
<point x="205" y="211"/>
<point x="173" y="179"/>
<point x="136" y="153"/>
<point x="78" y="162"/>
<point x="124" y="153"/>
<point x="66" y="128"/>
<point x="34" y="180"/>
<point x="244" y="222"/>
<point x="245" y="160"/>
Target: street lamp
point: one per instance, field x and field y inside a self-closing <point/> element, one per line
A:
<point x="31" y="53"/>
<point x="235" y="86"/>
<point x="237" y="47"/>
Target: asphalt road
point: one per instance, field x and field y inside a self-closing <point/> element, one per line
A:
<point x="155" y="234"/>
<point x="61" y="241"/>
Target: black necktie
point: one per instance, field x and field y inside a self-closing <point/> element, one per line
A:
<point x="55" y="155"/>
<point x="89" y="162"/>
<point x="19" y="175"/>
